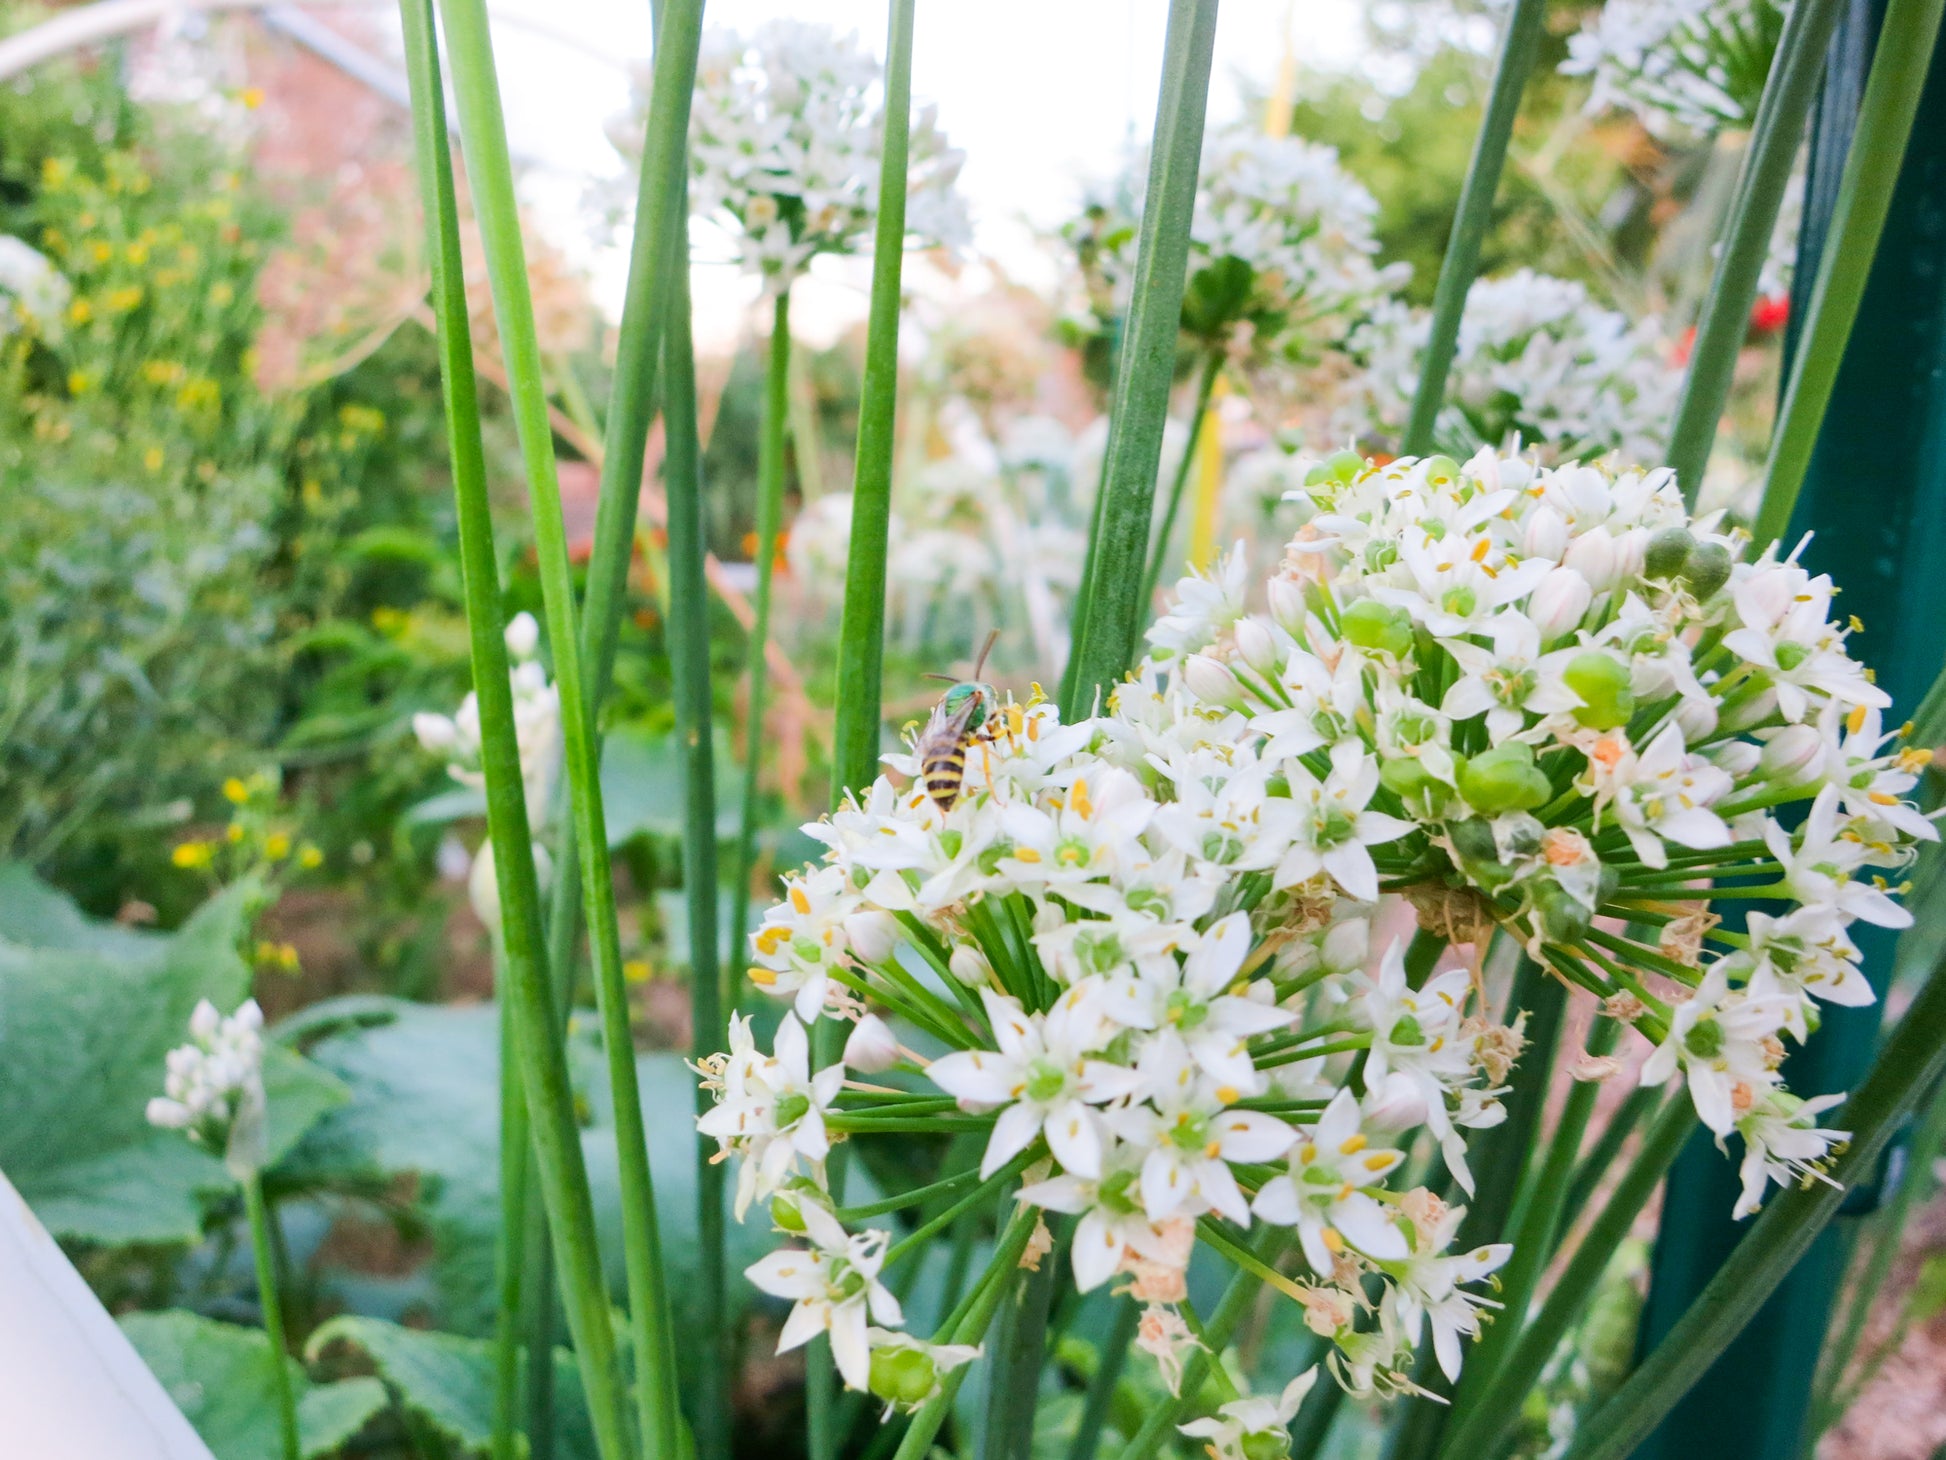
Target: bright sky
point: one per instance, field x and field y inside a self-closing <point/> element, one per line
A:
<point x="1040" y="94"/>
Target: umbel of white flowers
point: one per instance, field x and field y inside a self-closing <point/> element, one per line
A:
<point x="537" y="732"/>
<point x="786" y="133"/>
<point x="1538" y="361"/>
<point x="1691" y="67"/>
<point x="33" y="293"/>
<point x="1543" y="702"/>
<point x="214" y="1088"/>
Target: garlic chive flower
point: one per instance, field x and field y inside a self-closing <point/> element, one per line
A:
<point x="1683" y="68"/>
<point x="213" y="1088"/>
<point x="785" y="135"/>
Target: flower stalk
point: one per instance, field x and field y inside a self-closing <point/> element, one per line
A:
<point x="258" y="1214"/>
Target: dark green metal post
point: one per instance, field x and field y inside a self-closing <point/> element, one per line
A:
<point x="1876" y="500"/>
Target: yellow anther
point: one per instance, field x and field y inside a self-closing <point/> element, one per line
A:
<point x="800" y="901"/>
<point x="1855" y="721"/>
<point x="1333" y="1241"/>
<point x="1378" y="1160"/>
<point x="763" y="978"/>
<point x="1353" y="1145"/>
<point x="1228" y="1094"/>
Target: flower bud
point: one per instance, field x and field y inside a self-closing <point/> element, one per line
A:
<point x="1421" y="792"/>
<point x="1287" y="604"/>
<point x="1341" y="467"/>
<point x="871" y="935"/>
<point x="1210" y="680"/>
<point x="970" y="967"/>
<point x="1396" y="1105"/>
<point x="1504" y="778"/>
<point x="1593" y="555"/>
<point x="1707" y="570"/>
<point x="1753" y="711"/>
<point x="872" y="1048"/>
<point x="1546" y="535"/>
<point x="1604" y="684"/>
<point x="1695" y="717"/>
<point x="1630" y="549"/>
<point x="204" y="1021"/>
<point x="523" y="636"/>
<point x="1792" y="754"/>
<point x="1558" y="603"/>
<point x="1442" y="471"/>
<point x="1667" y="551"/>
<point x="1257" y="645"/>
<point x="903" y="1375"/>
<point x="1376" y="626"/>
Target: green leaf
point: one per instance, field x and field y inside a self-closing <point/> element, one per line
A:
<point x="424" y="1098"/>
<point x="642" y="787"/>
<point x="87" y="1012"/>
<point x="297" y="1094"/>
<point x="220" y="1376"/>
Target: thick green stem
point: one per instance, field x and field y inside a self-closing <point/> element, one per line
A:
<point x="861" y="643"/>
<point x="1108" y="1373"/>
<point x="543" y="1065"/>
<point x="273" y="1313"/>
<point x="689" y="668"/>
<point x="1911" y="1061"/>
<point x="509" y="1253"/>
<point x="1014" y="1381"/>
<point x="1110" y="611"/>
<point x="1774" y="141"/>
<point x="1518" y="47"/>
<point x="1206" y="378"/>
<point x="1898" y="80"/>
<point x="770" y="515"/>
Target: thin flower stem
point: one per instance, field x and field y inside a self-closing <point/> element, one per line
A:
<point x="1478" y="1429"/>
<point x="1226" y="1386"/>
<point x="770" y="514"/>
<point x="1593" y="1167"/>
<point x="1206" y="378"/>
<point x="969" y="1326"/>
<point x="690" y="673"/>
<point x="1109" y="1362"/>
<point x="1518" y="47"/>
<point x="861" y="642"/>
<point x="1775" y="137"/>
<point x="918" y="1196"/>
<point x="1110" y="608"/>
<point x="917" y="1238"/>
<point x="1905" y="53"/>
<point x="543" y="1064"/>
<point x="273" y="1313"/>
<point x="508" y="1250"/>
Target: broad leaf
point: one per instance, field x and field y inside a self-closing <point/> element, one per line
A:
<point x="220" y="1376"/>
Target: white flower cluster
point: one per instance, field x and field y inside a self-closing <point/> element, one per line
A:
<point x="1281" y="256"/>
<point x="33" y="293"/>
<point x="1537" y="360"/>
<point x="1148" y="993"/>
<point x="214" y="1087"/>
<point x="786" y="134"/>
<point x="1680" y="66"/>
<point x="537" y="731"/>
<point x="1588" y="709"/>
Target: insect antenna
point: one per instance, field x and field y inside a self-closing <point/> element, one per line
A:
<point x="985" y="649"/>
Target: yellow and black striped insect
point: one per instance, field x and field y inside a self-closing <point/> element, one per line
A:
<point x="956" y="720"/>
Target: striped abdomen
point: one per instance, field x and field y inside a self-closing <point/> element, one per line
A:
<point x="942" y="767"/>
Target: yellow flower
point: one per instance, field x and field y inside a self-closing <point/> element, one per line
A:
<point x="277" y="846"/>
<point x="137" y="253"/>
<point x="192" y="854"/>
<point x="233" y="833"/>
<point x="309" y="857"/>
<point x="222" y="293"/>
<point x="78" y="382"/>
<point x="125" y="298"/>
<point x="636" y="970"/>
<point x="235" y="792"/>
<point x="162" y="372"/>
<point x="200" y="395"/>
<point x="80" y="311"/>
<point x="153" y="458"/>
<point x="100" y="251"/>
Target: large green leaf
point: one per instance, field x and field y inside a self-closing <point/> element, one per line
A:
<point x="448" y="1380"/>
<point x="424" y="1085"/>
<point x="87" y="1012"/>
<point x="220" y="1376"/>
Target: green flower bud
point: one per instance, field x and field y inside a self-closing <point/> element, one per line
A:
<point x="1345" y="466"/>
<point x="1602" y="681"/>
<point x="1473" y="838"/>
<point x="1504" y="779"/>
<point x="1409" y="780"/>
<point x="1441" y="469"/>
<point x="1267" y="1445"/>
<point x="1707" y="570"/>
<point x="1668" y="550"/>
<point x="785" y="1215"/>
<point x="903" y="1375"/>
<point x="1378" y="627"/>
<point x="1562" y="918"/>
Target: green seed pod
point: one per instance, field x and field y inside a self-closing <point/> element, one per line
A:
<point x="1407" y="778"/>
<point x="1562" y="918"/>
<point x="1345" y="466"/>
<point x="1667" y="552"/>
<point x="1707" y="570"/>
<point x="1267" y="1445"/>
<point x="1504" y="779"/>
<point x="1473" y="838"/>
<point x="1441" y="469"/>
<point x="784" y="1214"/>
<point x="903" y="1375"/>
<point x="1378" y="627"/>
<point x="1602" y="681"/>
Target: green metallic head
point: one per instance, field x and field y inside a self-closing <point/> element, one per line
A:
<point x="973" y="699"/>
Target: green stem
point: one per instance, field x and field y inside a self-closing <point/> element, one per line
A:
<point x="690" y="672"/>
<point x="490" y="171"/>
<point x="1108" y="1373"/>
<point x="538" y="1324"/>
<point x="1014" y="1380"/>
<point x="1108" y="617"/>
<point x="770" y="512"/>
<point x="1774" y="141"/>
<point x="1518" y="47"/>
<point x="1608" y="1145"/>
<point x="509" y="1253"/>
<point x="861" y="643"/>
<point x="1872" y="168"/>
<point x="543" y="1064"/>
<point x="273" y="1313"/>
<point x="1477" y="1430"/>
<point x="1205" y="386"/>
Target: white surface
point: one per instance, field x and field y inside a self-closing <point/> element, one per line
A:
<point x="71" y="1387"/>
